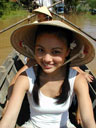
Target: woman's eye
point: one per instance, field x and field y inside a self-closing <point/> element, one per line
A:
<point x="40" y="50"/>
<point x="56" y="52"/>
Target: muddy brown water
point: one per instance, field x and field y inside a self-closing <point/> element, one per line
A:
<point x="5" y="45"/>
<point x="87" y="24"/>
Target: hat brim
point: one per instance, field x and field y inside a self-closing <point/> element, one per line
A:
<point x="27" y="33"/>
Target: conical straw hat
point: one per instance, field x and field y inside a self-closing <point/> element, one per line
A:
<point x="43" y="10"/>
<point x="22" y="39"/>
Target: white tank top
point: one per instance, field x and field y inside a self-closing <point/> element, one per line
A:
<point x="49" y="114"/>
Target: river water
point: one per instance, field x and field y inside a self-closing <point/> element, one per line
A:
<point x="86" y="23"/>
<point x="5" y="45"/>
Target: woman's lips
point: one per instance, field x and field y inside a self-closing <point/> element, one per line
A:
<point x="47" y="66"/>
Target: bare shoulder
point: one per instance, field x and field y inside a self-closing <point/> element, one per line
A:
<point x="22" y="81"/>
<point x="17" y="75"/>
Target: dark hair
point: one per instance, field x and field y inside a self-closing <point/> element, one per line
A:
<point x="65" y="88"/>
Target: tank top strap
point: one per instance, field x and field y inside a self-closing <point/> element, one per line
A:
<point x="31" y="77"/>
<point x="72" y="76"/>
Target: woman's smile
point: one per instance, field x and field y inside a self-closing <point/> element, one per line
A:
<point x="47" y="66"/>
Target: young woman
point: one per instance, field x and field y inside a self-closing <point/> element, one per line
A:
<point x="52" y="83"/>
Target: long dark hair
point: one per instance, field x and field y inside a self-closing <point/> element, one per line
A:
<point x="65" y="88"/>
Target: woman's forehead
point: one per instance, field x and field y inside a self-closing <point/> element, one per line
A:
<point x="50" y="34"/>
<point x="50" y="39"/>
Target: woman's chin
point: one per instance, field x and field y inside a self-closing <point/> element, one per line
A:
<point x="49" y="71"/>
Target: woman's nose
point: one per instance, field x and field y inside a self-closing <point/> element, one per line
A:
<point x="47" y="58"/>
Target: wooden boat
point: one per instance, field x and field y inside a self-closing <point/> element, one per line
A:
<point x="59" y="8"/>
<point x="15" y="61"/>
<point x="93" y="11"/>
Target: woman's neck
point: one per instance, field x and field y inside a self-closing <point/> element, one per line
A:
<point x="57" y="75"/>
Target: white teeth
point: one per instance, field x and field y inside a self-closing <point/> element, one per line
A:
<point x="46" y="64"/>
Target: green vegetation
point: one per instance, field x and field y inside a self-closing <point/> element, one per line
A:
<point x="79" y="5"/>
<point x="16" y="13"/>
<point x="92" y="3"/>
<point x="10" y="9"/>
<point x="7" y="7"/>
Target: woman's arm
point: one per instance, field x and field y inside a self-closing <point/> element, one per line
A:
<point x="30" y="62"/>
<point x="10" y="117"/>
<point x="84" y="102"/>
<point x="10" y="88"/>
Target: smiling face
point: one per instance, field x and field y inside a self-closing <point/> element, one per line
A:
<point x="50" y="52"/>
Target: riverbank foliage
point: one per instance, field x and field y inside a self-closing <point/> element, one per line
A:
<point x="79" y="5"/>
<point x="10" y="9"/>
<point x="16" y="13"/>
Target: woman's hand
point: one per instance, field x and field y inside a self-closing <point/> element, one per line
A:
<point x="88" y="76"/>
<point x="78" y="117"/>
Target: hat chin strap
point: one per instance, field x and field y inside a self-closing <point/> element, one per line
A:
<point x="29" y="50"/>
<point x="80" y="55"/>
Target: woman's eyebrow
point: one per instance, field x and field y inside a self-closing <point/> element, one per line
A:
<point x="38" y="45"/>
<point x="57" y="48"/>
